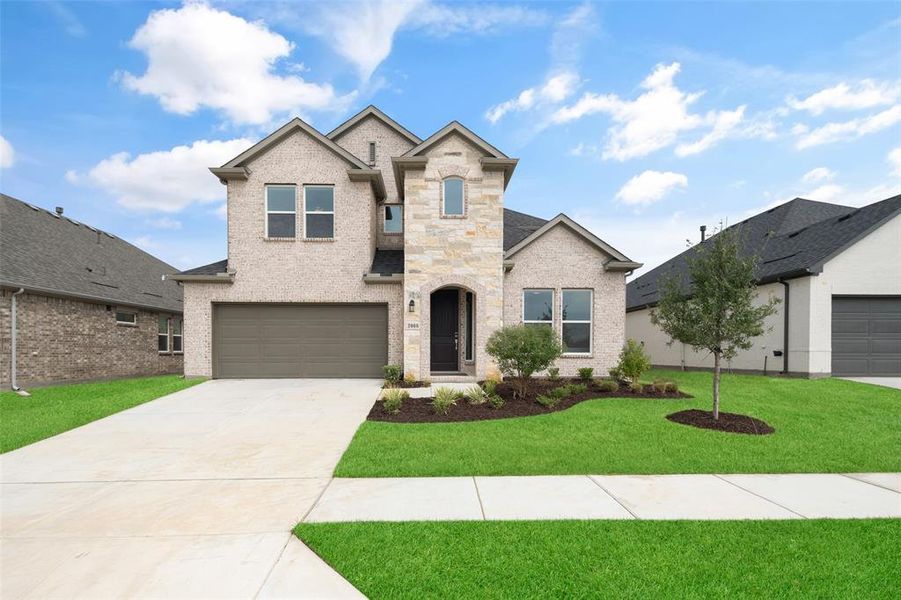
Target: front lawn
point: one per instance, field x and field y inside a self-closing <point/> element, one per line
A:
<point x="826" y="425"/>
<point x="53" y="410"/>
<point x="599" y="559"/>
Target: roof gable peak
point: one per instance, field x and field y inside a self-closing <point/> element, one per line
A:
<point x="463" y="131"/>
<point x="373" y="111"/>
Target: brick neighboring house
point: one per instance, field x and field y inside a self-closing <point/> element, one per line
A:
<point x="93" y="305"/>
<point x="370" y="245"/>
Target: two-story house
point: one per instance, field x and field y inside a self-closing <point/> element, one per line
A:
<point x="370" y="246"/>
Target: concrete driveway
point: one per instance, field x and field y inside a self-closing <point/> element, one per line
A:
<point x="892" y="382"/>
<point x="193" y="494"/>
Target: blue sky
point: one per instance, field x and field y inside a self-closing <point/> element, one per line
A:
<point x="640" y="120"/>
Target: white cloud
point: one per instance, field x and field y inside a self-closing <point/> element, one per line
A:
<point x="7" y="154"/>
<point x="221" y="211"/>
<point x="894" y="159"/>
<point x="165" y="181"/>
<point x="654" y="120"/>
<point x="555" y="89"/>
<point x="818" y="174"/>
<point x="67" y="19"/>
<point x="847" y="130"/>
<point x="442" y="20"/>
<point x="650" y="186"/>
<point x="199" y="56"/>
<point x="165" y="223"/>
<point x="867" y="94"/>
<point x="146" y="243"/>
<point x="825" y="193"/>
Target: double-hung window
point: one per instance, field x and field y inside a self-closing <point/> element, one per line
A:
<point x="576" y="312"/>
<point x="162" y="337"/>
<point x="281" y="211"/>
<point x="394" y="218"/>
<point x="176" y="335"/>
<point x="538" y="307"/>
<point x="453" y="205"/>
<point x="319" y="211"/>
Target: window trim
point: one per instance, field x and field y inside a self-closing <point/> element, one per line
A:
<point x="268" y="212"/>
<point x="180" y="336"/>
<point x="590" y="321"/>
<point x="168" y="333"/>
<point x="134" y="318"/>
<point x="444" y="213"/>
<point x="385" y="220"/>
<point x="523" y="306"/>
<point x="318" y="212"/>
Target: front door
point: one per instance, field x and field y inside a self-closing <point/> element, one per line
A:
<point x="445" y="328"/>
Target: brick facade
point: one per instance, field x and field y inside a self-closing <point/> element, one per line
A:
<point x="64" y="340"/>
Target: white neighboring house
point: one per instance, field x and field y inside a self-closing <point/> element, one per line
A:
<point x="837" y="270"/>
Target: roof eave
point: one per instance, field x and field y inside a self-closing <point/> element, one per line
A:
<point x="226" y="174"/>
<point x="401" y="164"/>
<point x="89" y="297"/>
<point x="622" y="265"/>
<point x="374" y="177"/>
<point x="217" y="278"/>
<point x="506" y="165"/>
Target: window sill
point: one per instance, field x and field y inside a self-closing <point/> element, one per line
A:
<point x="118" y="324"/>
<point x="453" y="216"/>
<point x="279" y="239"/>
<point x="393" y="233"/>
<point x="163" y="352"/>
<point x="315" y="240"/>
<point x="577" y="355"/>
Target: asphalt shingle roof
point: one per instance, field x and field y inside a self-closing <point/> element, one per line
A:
<point x="791" y="240"/>
<point x="220" y="266"/>
<point x="42" y="251"/>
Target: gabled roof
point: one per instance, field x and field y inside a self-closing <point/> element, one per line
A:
<point x="44" y="252"/>
<point x="455" y="127"/>
<point x="372" y="111"/>
<point x="794" y="239"/>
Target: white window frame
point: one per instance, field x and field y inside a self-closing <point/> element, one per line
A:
<point x="168" y="333"/>
<point x="319" y="212"/>
<point x="385" y="221"/>
<point x="279" y="212"/>
<point x="180" y="336"/>
<point x="444" y="212"/>
<point x="590" y="321"/>
<point x="523" y="306"/>
<point x="134" y="318"/>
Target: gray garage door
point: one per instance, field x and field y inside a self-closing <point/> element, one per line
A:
<point x="866" y="335"/>
<point x="300" y="340"/>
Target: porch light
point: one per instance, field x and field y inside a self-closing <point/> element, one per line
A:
<point x="412" y="305"/>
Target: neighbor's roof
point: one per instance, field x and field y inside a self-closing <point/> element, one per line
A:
<point x="43" y="252"/>
<point x="792" y="240"/>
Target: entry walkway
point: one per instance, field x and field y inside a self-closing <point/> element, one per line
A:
<point x="792" y="496"/>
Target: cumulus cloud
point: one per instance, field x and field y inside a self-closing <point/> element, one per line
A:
<point x="555" y="89"/>
<point x="7" y="154"/>
<point x="846" y="130"/>
<point x="442" y="20"/>
<point x="894" y="159"/>
<point x="650" y="187"/>
<point x="199" y="56"/>
<point x="818" y="174"/>
<point x="165" y="181"/>
<point x="723" y="125"/>
<point x="866" y="94"/>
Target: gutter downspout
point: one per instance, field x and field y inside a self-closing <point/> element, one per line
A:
<point x="13" y="336"/>
<point x="785" y="329"/>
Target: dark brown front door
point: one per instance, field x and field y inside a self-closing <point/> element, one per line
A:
<point x="444" y="327"/>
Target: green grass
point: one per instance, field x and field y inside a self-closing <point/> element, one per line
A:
<point x="634" y="559"/>
<point x="826" y="425"/>
<point x="53" y="410"/>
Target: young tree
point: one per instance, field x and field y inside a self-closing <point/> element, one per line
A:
<point x="522" y="350"/>
<point x="715" y="310"/>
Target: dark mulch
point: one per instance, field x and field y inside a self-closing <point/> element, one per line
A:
<point x="728" y="422"/>
<point x="419" y="410"/>
<point x="406" y="384"/>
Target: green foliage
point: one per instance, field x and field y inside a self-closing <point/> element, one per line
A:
<point x="665" y="386"/>
<point x="521" y="350"/>
<point x="392" y="373"/>
<point x="616" y="374"/>
<point x="476" y="395"/>
<point x="490" y="386"/>
<point x="607" y="385"/>
<point x="672" y="387"/>
<point x="577" y="388"/>
<point x="393" y="399"/>
<point x="495" y="401"/>
<point x="409" y="379"/>
<point x="553" y="373"/>
<point x="548" y="400"/>
<point x="586" y="373"/>
<point x="636" y="388"/>
<point x="633" y="361"/>
<point x="659" y="387"/>
<point x="444" y="399"/>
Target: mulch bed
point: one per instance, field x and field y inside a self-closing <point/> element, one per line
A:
<point x="419" y="410"/>
<point x="406" y="384"/>
<point x="728" y="422"/>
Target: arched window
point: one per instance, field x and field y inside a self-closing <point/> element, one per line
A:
<point x="453" y="205"/>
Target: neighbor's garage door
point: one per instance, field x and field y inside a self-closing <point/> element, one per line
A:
<point x="300" y="340"/>
<point x="866" y="335"/>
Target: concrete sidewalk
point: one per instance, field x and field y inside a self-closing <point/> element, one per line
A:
<point x="719" y="497"/>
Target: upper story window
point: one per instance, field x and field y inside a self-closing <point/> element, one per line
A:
<point x="319" y="211"/>
<point x="576" y="313"/>
<point x="371" y="154"/>
<point x="538" y="307"/>
<point x="162" y="337"/>
<point x="394" y="218"/>
<point x="453" y="205"/>
<point x="281" y="211"/>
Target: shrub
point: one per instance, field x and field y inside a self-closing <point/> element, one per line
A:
<point x="495" y="401"/>
<point x="393" y="399"/>
<point x="490" y="386"/>
<point x="392" y="373"/>
<point x="616" y="374"/>
<point x="586" y="373"/>
<point x="476" y="395"/>
<point x="521" y="351"/>
<point x="671" y="387"/>
<point x="548" y="400"/>
<point x="660" y="386"/>
<point x="633" y="361"/>
<point x="577" y="388"/>
<point x="636" y="387"/>
<point x="409" y="379"/>
<point x="560" y="392"/>
<point x="444" y="399"/>
<point x="607" y="385"/>
<point x="553" y="373"/>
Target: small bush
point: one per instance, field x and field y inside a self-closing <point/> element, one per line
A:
<point x="586" y="373"/>
<point x="426" y="382"/>
<point x="476" y="395"/>
<point x="553" y="373"/>
<point x="444" y="399"/>
<point x="520" y="351"/>
<point x="633" y="361"/>
<point x="660" y="386"/>
<point x="548" y="400"/>
<point x="616" y="374"/>
<point x="577" y="388"/>
<point x="409" y="379"/>
<point x="393" y="399"/>
<point x="671" y="387"/>
<point x="495" y="401"/>
<point x="490" y="386"/>
<point x="392" y="373"/>
<point x="560" y="392"/>
<point x="607" y="385"/>
<point x="636" y="387"/>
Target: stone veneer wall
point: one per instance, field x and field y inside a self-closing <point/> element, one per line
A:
<point x="63" y="340"/>
<point x="452" y="252"/>
<point x="295" y="270"/>
<point x="561" y="259"/>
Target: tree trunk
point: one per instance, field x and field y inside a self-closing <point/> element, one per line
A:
<point x="716" y="386"/>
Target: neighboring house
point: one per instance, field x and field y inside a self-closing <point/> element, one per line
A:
<point x="370" y="246"/>
<point x="91" y="305"/>
<point x="837" y="270"/>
